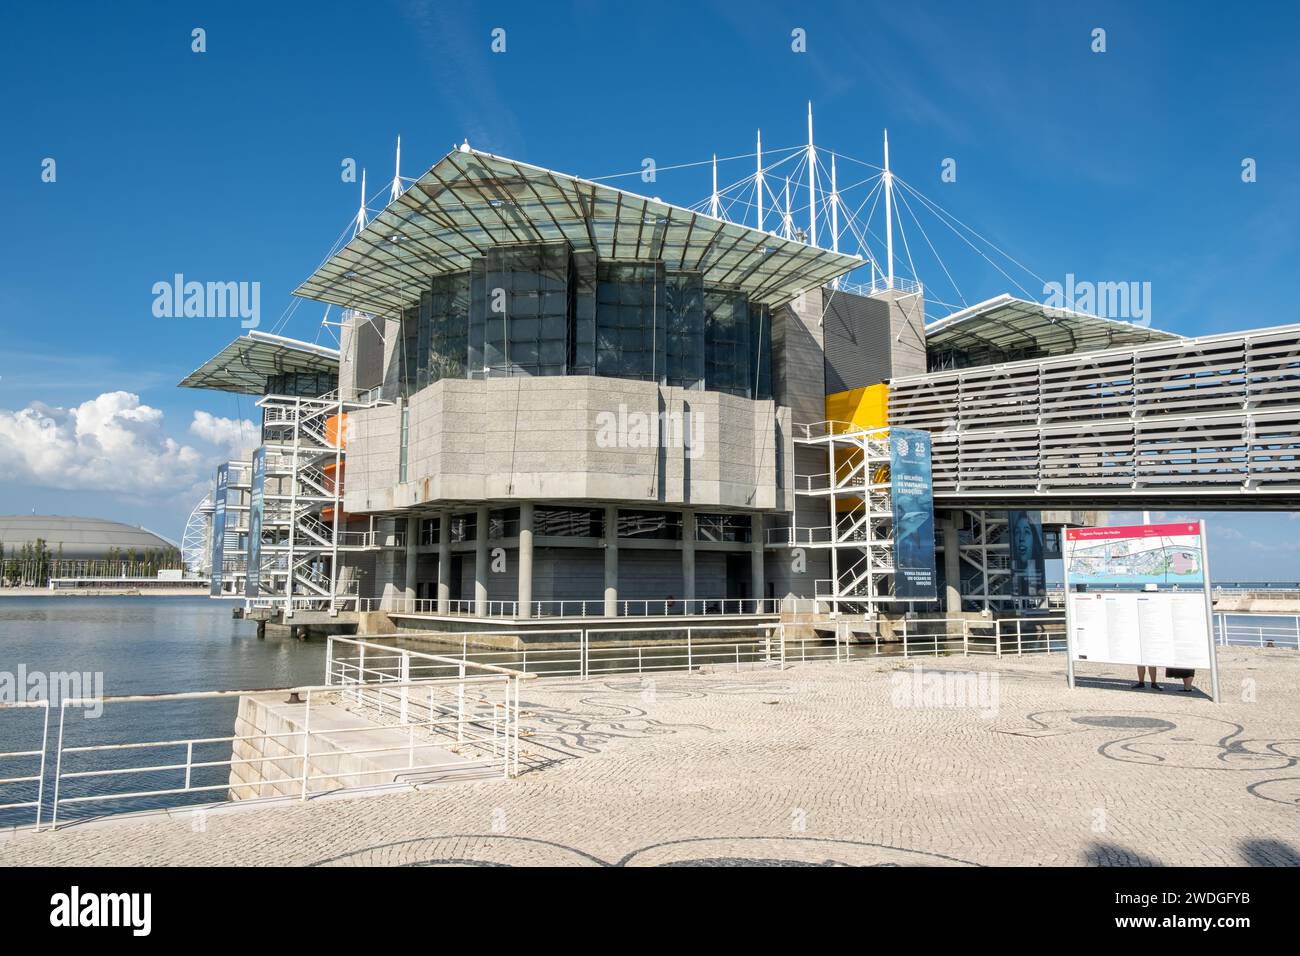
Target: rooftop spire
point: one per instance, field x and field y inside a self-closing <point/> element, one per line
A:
<point x="812" y="183"/>
<point x="713" y="197"/>
<point x="397" y="174"/>
<point x="889" y="219"/>
<point x="361" y="212"/>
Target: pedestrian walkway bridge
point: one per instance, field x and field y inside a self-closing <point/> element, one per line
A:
<point x="1207" y="423"/>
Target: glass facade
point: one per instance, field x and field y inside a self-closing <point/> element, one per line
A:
<point x="543" y="309"/>
<point x="305" y="384"/>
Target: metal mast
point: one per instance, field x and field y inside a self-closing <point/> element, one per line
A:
<point x="361" y="212"/>
<point x="397" y="174"/>
<point x="812" y="183"/>
<point x="835" y="215"/>
<point x="713" y="198"/>
<point x="889" y="218"/>
<point x="786" y="223"/>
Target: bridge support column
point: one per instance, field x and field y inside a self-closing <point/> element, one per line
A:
<point x="951" y="561"/>
<point x="525" y="559"/>
<point x="688" y="561"/>
<point x="444" y="562"/>
<point x="481" y="562"/>
<point x="756" y="560"/>
<point x="611" y="560"/>
<point x="412" y="558"/>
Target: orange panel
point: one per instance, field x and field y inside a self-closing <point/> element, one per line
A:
<point x="332" y="426"/>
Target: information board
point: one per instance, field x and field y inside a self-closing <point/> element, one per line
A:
<point x="1135" y="607"/>
<point x="1156" y="629"/>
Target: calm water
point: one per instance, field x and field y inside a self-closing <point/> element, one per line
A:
<point x="141" y="645"/>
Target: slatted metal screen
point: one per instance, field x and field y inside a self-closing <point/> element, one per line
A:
<point x="1213" y="419"/>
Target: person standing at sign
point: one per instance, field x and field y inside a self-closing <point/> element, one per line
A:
<point x="1185" y="673"/>
<point x="1141" y="681"/>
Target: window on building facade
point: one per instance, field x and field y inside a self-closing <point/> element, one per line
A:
<point x="429" y="528"/>
<point x="657" y="525"/>
<point x="569" y="522"/>
<point x="727" y="342"/>
<point x="463" y="527"/>
<point x="631" y="320"/>
<point x="519" y="310"/>
<point x="723" y="528"/>
<point x="503" y="523"/>
<point x="305" y="384"/>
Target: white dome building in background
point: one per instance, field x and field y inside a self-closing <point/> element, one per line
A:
<point x="80" y="538"/>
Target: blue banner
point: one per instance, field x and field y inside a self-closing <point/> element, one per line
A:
<point x="219" y="530"/>
<point x="254" y="572"/>
<point x="912" y="492"/>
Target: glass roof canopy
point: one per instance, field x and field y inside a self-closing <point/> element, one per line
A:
<point x="244" y="365"/>
<point x="469" y="201"/>
<point x="1008" y="324"/>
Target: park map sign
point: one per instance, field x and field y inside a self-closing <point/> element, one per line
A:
<point x="1139" y="555"/>
<point x="1144" y="600"/>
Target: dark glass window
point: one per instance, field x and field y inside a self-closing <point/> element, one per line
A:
<point x="429" y="530"/>
<point x="631" y="320"/>
<point x="305" y="384"/>
<point x="726" y="342"/>
<point x="422" y="340"/>
<point x="541" y="309"/>
<point x="660" y="525"/>
<point x="569" y="522"/>
<point x="760" y="350"/>
<point x="463" y="527"/>
<point x="450" y="326"/>
<point x="477" y="317"/>
<point x="685" y="294"/>
<point x="503" y="523"/>
<point x="723" y="527"/>
<point x="582" y="313"/>
<point x="524" y="297"/>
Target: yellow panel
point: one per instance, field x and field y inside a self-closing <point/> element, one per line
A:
<point x="866" y="407"/>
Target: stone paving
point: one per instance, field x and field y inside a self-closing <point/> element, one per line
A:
<point x="968" y="761"/>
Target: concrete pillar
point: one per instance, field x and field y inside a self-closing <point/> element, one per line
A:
<point x="756" y="559"/>
<point x="481" y="563"/>
<point x="611" y="560"/>
<point x="951" y="561"/>
<point x="525" y="559"/>
<point x="412" y="556"/>
<point x="688" y="561"/>
<point x="444" y="562"/>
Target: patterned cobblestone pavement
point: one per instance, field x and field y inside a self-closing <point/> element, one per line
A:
<point x="964" y="762"/>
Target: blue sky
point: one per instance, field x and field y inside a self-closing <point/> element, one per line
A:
<point x="225" y="165"/>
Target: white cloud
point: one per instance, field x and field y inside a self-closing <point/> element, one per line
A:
<point x="232" y="434"/>
<point x="112" y="443"/>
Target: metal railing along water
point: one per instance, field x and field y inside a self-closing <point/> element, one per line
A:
<point x="462" y="719"/>
<point x="674" y="607"/>
<point x="608" y="651"/>
<point x="8" y="759"/>
<point x="1235" y="629"/>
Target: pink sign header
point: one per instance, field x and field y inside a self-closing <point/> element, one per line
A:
<point x="1120" y="532"/>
